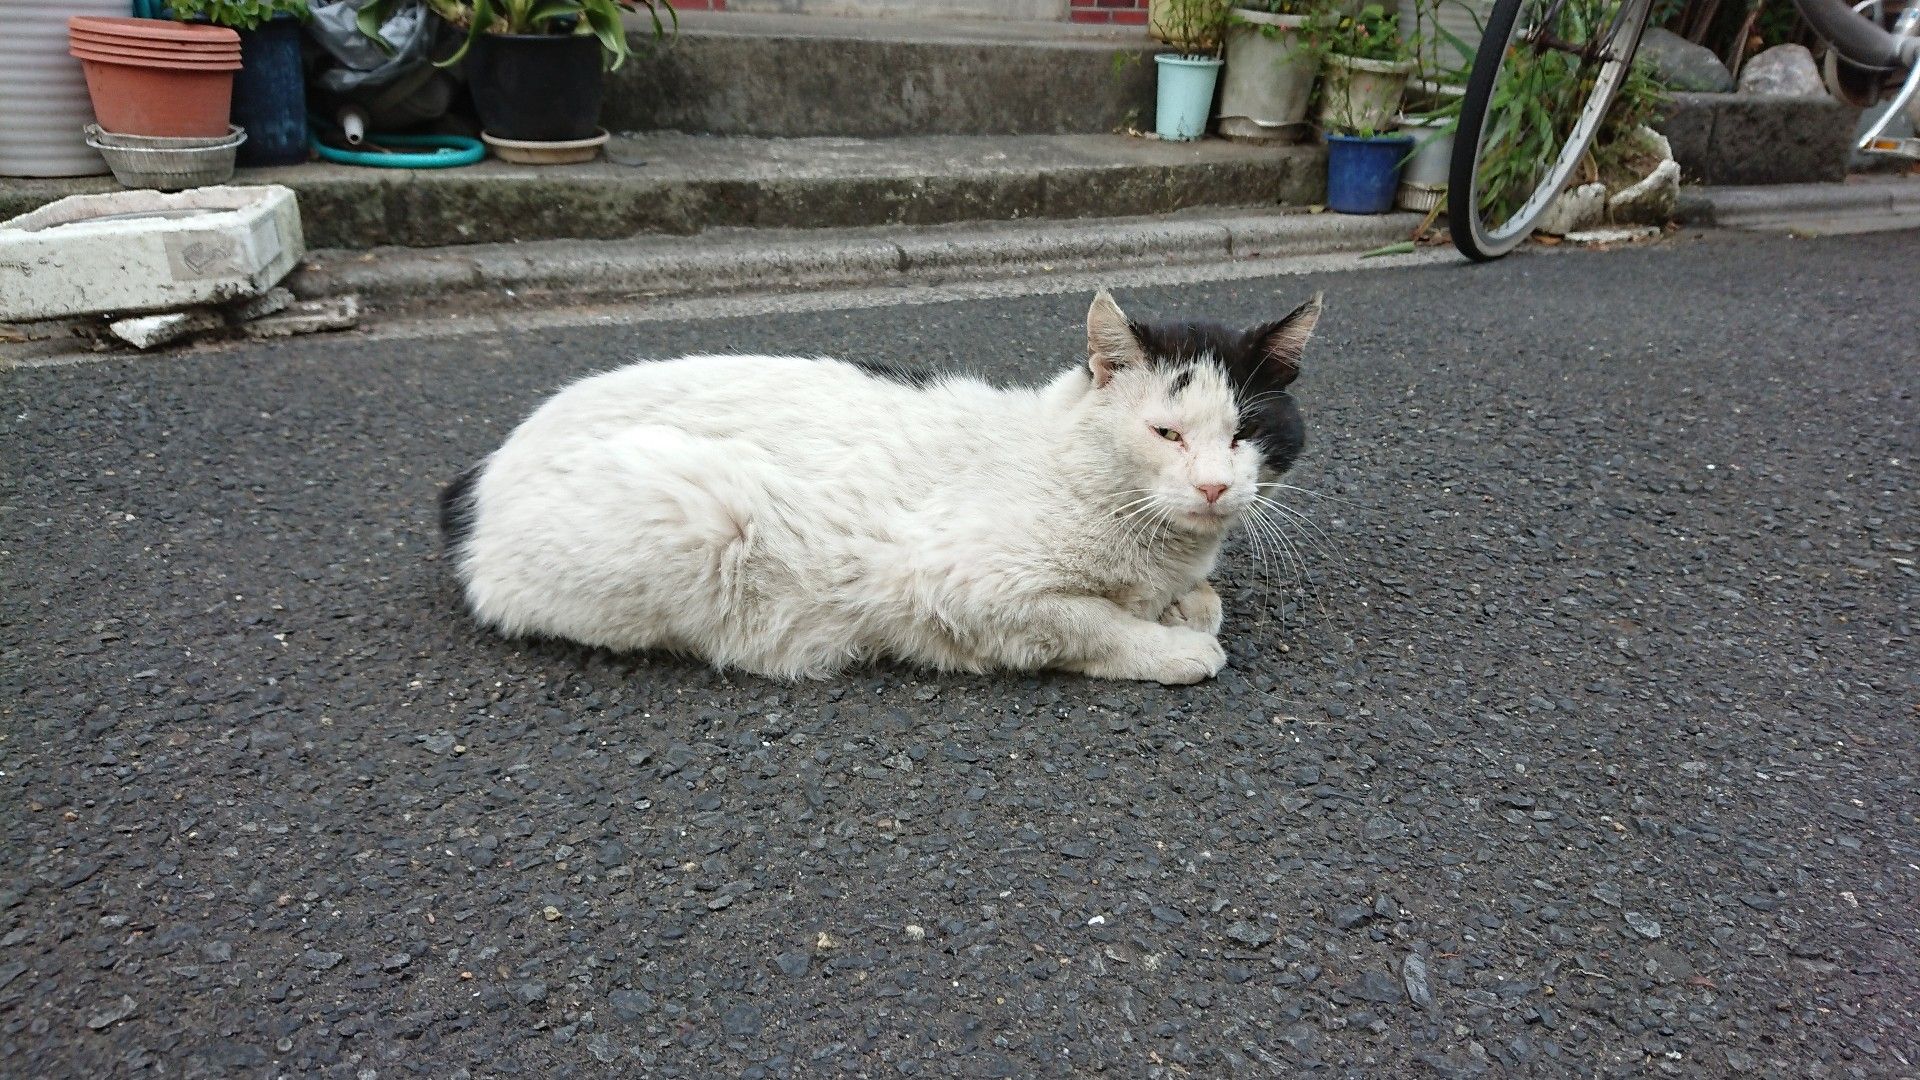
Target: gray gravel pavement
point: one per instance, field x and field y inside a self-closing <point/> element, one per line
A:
<point x="1580" y="743"/>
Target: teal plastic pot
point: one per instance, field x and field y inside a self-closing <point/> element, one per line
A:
<point x="1185" y="95"/>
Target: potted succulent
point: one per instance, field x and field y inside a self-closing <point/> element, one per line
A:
<point x="1268" y="82"/>
<point x="269" y="91"/>
<point x="1187" y="76"/>
<point x="536" y="67"/>
<point x="1366" y="65"/>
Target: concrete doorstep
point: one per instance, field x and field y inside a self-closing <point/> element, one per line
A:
<point x="746" y="260"/>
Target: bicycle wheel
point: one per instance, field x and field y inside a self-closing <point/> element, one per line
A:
<point x="1542" y="79"/>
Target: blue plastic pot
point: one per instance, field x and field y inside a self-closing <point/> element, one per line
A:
<point x="1363" y="171"/>
<point x="1185" y="95"/>
<point x="270" y="94"/>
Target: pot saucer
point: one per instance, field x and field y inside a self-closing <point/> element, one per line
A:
<point x="528" y="152"/>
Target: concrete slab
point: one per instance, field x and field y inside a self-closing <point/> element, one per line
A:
<point x="675" y="183"/>
<point x="139" y="251"/>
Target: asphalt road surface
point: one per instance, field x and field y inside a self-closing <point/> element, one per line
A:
<point x="1576" y="737"/>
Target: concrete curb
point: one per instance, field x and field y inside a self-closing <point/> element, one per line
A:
<point x="1734" y="206"/>
<point x="728" y="261"/>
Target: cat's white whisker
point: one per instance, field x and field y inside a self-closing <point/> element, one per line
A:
<point x="1292" y="512"/>
<point x="1277" y="537"/>
<point x="1303" y="491"/>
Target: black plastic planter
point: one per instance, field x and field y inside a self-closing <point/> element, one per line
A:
<point x="537" y="87"/>
<point x="269" y="94"/>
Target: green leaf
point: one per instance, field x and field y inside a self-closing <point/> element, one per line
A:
<point x="1404" y="247"/>
<point x="551" y="9"/>
<point x="604" y="17"/>
<point x="369" y="20"/>
<point x="482" y="15"/>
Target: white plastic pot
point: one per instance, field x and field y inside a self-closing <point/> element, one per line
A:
<point x="44" y="108"/>
<point x="1268" y="83"/>
<point x="1432" y="151"/>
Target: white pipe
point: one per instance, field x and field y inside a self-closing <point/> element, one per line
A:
<point x="354" y="123"/>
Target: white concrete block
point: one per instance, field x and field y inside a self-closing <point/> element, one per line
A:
<point x="274" y="300"/>
<point x="135" y="251"/>
<point x="152" y="331"/>
<point x="308" y="317"/>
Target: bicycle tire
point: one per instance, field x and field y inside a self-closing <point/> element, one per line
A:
<point x="1473" y="234"/>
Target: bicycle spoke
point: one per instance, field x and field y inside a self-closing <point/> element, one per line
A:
<point x="1544" y="93"/>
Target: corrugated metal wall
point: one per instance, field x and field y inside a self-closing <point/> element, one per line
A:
<point x="1458" y="17"/>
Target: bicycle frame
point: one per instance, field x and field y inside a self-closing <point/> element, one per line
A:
<point x="1862" y="43"/>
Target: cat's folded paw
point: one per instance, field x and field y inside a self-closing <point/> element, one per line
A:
<point x="1173" y="655"/>
<point x="1198" y="610"/>
<point x="1190" y="656"/>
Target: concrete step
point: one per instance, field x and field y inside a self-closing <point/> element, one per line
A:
<point x="683" y="184"/>
<point x="773" y="75"/>
<point x="732" y="261"/>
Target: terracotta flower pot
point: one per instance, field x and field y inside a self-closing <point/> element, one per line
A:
<point x="142" y="83"/>
<point x="106" y="41"/>
<point x="150" y="57"/>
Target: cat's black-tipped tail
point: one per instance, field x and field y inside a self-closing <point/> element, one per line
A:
<point x="456" y="509"/>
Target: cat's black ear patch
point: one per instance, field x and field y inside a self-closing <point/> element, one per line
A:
<point x="1111" y="341"/>
<point x="1280" y="345"/>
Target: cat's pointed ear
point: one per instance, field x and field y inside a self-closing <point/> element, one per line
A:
<point x="1111" y="344"/>
<point x="1281" y="344"/>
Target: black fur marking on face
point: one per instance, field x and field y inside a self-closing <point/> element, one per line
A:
<point x="1180" y="381"/>
<point x="456" y="509"/>
<point x="1269" y="417"/>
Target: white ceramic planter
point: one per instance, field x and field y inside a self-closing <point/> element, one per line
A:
<point x="1361" y="95"/>
<point x="1268" y="83"/>
<point x="44" y="109"/>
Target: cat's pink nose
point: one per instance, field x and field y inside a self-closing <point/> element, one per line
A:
<point x="1211" y="491"/>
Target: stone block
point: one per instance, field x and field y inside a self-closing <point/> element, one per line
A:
<point x="1743" y="139"/>
<point x="140" y="251"/>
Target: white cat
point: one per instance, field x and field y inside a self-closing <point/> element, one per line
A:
<point x="793" y="516"/>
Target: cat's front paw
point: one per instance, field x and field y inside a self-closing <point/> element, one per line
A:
<point x="1173" y="655"/>
<point x="1193" y="657"/>
<point x="1198" y="610"/>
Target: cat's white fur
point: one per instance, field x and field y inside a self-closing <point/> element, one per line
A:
<point x="794" y="516"/>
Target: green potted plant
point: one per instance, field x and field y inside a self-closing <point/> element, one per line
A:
<point x="269" y="91"/>
<point x="536" y="67"/>
<point x="1365" y="68"/>
<point x="1186" y="76"/>
<point x="1268" y="82"/>
<point x="1365" y="64"/>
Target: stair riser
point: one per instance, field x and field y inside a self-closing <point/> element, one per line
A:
<point x="450" y="209"/>
<point x="793" y="87"/>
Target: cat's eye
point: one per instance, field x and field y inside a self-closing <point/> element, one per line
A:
<point x="1167" y="433"/>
